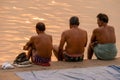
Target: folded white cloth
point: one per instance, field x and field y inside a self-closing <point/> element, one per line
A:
<point x="7" y="65"/>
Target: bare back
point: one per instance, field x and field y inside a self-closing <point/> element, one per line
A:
<point x="104" y="35"/>
<point x="76" y="40"/>
<point x="43" y="45"/>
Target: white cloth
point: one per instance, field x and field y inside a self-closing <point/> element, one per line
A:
<point x="7" y="65"/>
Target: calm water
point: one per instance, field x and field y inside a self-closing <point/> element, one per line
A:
<point x="18" y="19"/>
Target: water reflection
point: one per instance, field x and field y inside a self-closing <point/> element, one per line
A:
<point x="18" y="19"/>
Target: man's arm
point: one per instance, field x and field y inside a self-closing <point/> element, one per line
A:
<point x="86" y="39"/>
<point x="93" y="38"/>
<point x="28" y="44"/>
<point x="91" y="44"/>
<point x="94" y="41"/>
<point x="60" y="51"/>
<point x="114" y="35"/>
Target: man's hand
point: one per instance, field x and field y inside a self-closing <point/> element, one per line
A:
<point x="25" y="47"/>
<point x="60" y="55"/>
<point x="93" y="44"/>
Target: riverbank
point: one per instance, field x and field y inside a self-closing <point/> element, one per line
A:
<point x="10" y="74"/>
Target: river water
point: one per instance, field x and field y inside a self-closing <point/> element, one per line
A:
<point x="19" y="17"/>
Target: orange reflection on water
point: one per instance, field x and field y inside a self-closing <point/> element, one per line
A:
<point x="18" y="19"/>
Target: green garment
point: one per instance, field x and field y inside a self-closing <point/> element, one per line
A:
<point x="105" y="51"/>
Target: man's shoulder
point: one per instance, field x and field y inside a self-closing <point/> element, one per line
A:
<point x="66" y="31"/>
<point x="34" y="36"/>
<point x="110" y="26"/>
<point x="48" y="35"/>
<point x="96" y="30"/>
<point x="82" y="30"/>
<point x="70" y="30"/>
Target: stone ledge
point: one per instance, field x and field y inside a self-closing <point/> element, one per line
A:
<point x="10" y="74"/>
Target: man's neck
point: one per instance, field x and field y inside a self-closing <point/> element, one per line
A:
<point x="40" y="32"/>
<point x="74" y="26"/>
<point x="104" y="25"/>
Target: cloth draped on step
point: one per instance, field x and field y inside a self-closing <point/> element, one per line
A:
<point x="91" y="73"/>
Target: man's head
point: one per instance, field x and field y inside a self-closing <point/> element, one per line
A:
<point x="102" y="19"/>
<point x="74" y="21"/>
<point x="40" y="27"/>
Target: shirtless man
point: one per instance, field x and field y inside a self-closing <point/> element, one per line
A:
<point x="103" y="40"/>
<point x="40" y="46"/>
<point x="75" y="39"/>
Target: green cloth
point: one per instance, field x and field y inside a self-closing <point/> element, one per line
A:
<point x="105" y="51"/>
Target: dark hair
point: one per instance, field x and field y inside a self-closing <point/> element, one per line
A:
<point x="40" y="26"/>
<point x="74" y="20"/>
<point x="103" y="17"/>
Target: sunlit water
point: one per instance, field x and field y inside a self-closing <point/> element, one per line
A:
<point x="18" y="19"/>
